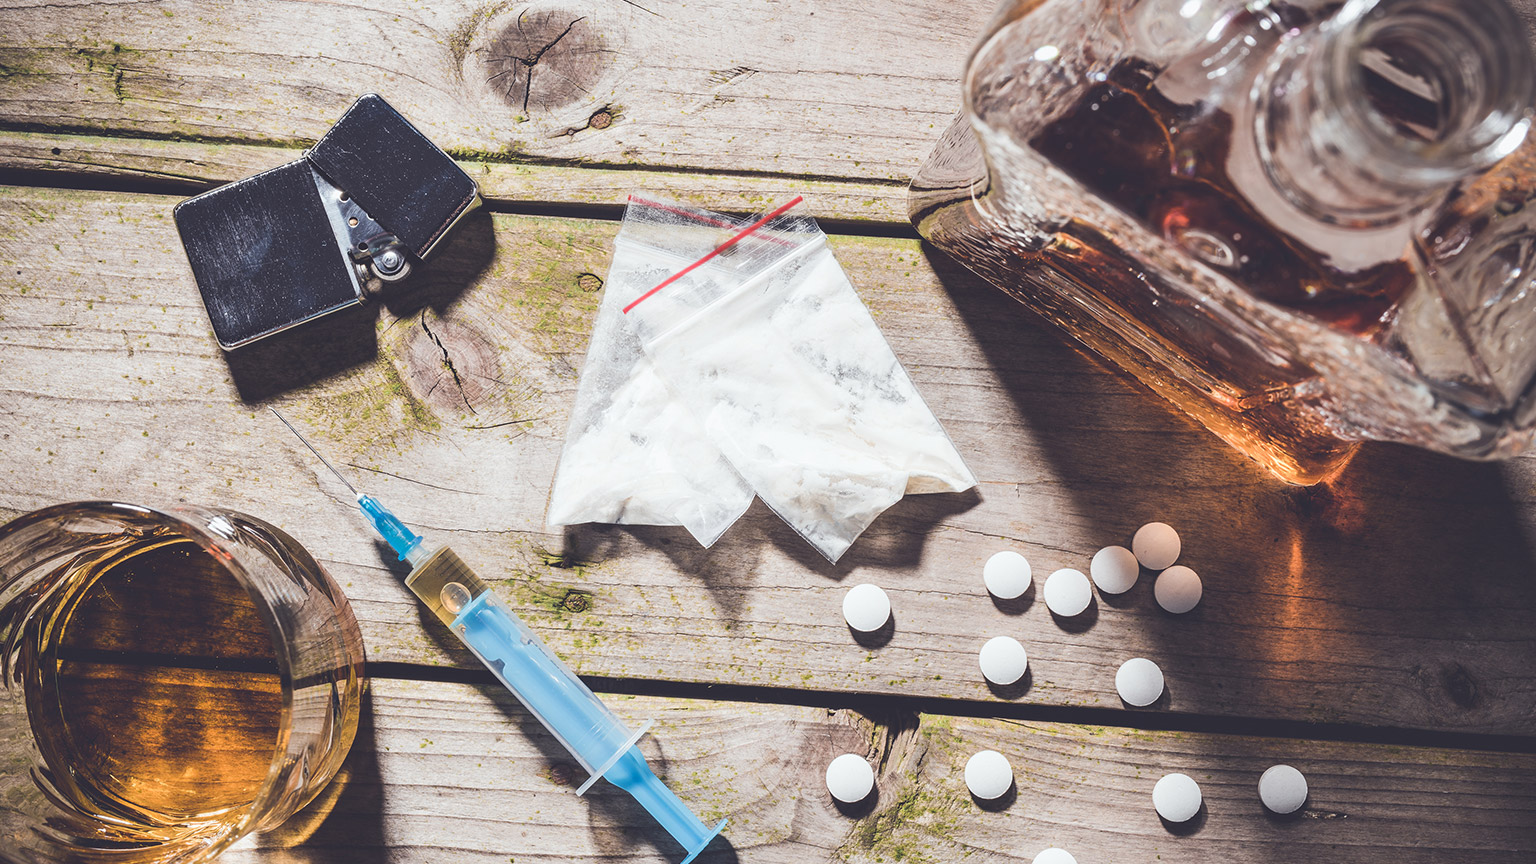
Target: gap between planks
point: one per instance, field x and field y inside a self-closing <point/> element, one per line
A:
<point x="893" y="704"/>
<point x="445" y="772"/>
<point x="145" y="165"/>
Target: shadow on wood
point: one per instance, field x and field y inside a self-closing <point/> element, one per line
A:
<point x="345" y="822"/>
<point x="894" y="541"/>
<point x="897" y="537"/>
<point x="860" y="808"/>
<point x="1403" y="542"/>
<point x="329" y="346"/>
<point x="1190" y="826"/>
<point x="310" y="352"/>
<point x="460" y="261"/>
<point x="1010" y="692"/>
<point x="1014" y="605"/>
<point x="1100" y="432"/>
<point x="1000" y="803"/>
<point x="728" y="569"/>
<point x="875" y="638"/>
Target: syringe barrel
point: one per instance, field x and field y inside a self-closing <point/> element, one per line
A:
<point x="540" y="680"/>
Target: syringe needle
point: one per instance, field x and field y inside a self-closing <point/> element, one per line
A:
<point x="305" y="442"/>
<point x="400" y="538"/>
<point x="538" y="678"/>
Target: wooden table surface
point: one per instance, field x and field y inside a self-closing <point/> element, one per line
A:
<point x="1379" y="633"/>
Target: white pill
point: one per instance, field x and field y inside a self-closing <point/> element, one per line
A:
<point x="1156" y="545"/>
<point x="1283" y="789"/>
<point x="1139" y="681"/>
<point x="866" y="608"/>
<point x="1054" y="856"/>
<point x="1177" y="589"/>
<point x="1176" y="797"/>
<point x="1114" y="569"/>
<point x="988" y="775"/>
<point x="1003" y="660"/>
<point x="850" y="779"/>
<point x="1067" y="592"/>
<point x="1007" y="575"/>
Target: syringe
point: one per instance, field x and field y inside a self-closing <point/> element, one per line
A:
<point x="540" y="680"/>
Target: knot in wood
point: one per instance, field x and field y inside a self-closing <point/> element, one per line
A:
<point x="450" y="366"/>
<point x="1460" y="685"/>
<point x="600" y="119"/>
<point x="589" y="282"/>
<point x="546" y="59"/>
<point x="576" y="601"/>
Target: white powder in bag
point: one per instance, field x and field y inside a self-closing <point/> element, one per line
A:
<point x="633" y="454"/>
<point x="792" y="379"/>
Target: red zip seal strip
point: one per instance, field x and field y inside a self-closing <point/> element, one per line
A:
<point x="695" y="216"/>
<point x="717" y="250"/>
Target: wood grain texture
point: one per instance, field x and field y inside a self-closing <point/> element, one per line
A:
<point x="189" y="167"/>
<point x="784" y="87"/>
<point x="1400" y="595"/>
<point x="449" y="772"/>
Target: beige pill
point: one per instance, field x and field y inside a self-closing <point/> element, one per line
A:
<point x="1156" y="545"/>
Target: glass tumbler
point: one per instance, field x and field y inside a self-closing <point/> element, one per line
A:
<point x="172" y="680"/>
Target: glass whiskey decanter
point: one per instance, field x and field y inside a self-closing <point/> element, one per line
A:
<point x="1306" y="224"/>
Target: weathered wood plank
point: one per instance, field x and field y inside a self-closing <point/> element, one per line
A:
<point x="448" y="772"/>
<point x="190" y="167"/>
<point x="847" y="89"/>
<point x="1400" y="595"/>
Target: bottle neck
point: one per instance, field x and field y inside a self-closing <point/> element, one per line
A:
<point x="1386" y="105"/>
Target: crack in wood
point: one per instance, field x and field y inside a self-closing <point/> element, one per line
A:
<point x="642" y="8"/>
<point x="507" y="423"/>
<point x="448" y="364"/>
<point x="528" y="63"/>
<point x="721" y="77"/>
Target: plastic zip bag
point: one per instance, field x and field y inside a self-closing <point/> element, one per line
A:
<point x="633" y="454"/>
<point x="766" y="342"/>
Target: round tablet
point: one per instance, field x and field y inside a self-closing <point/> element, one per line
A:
<point x="1156" y="545"/>
<point x="1283" y="789"/>
<point x="850" y="779"/>
<point x="866" y="608"/>
<point x="1054" y="856"/>
<point x="1067" y="592"/>
<point x="1177" y="589"/>
<point x="1139" y="681"/>
<point x="1176" y="797"/>
<point x="1114" y="569"/>
<point x="1003" y="660"/>
<point x="1007" y="575"/>
<point x="988" y="775"/>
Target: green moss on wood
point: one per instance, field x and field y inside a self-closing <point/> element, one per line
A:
<point x="905" y="831"/>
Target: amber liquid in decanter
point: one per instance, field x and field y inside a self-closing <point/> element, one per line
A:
<point x="1165" y="164"/>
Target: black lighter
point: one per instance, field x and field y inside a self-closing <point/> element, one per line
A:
<point x="310" y="237"/>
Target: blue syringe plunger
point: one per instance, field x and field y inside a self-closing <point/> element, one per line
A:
<point x="548" y="688"/>
<point x="400" y="538"/>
